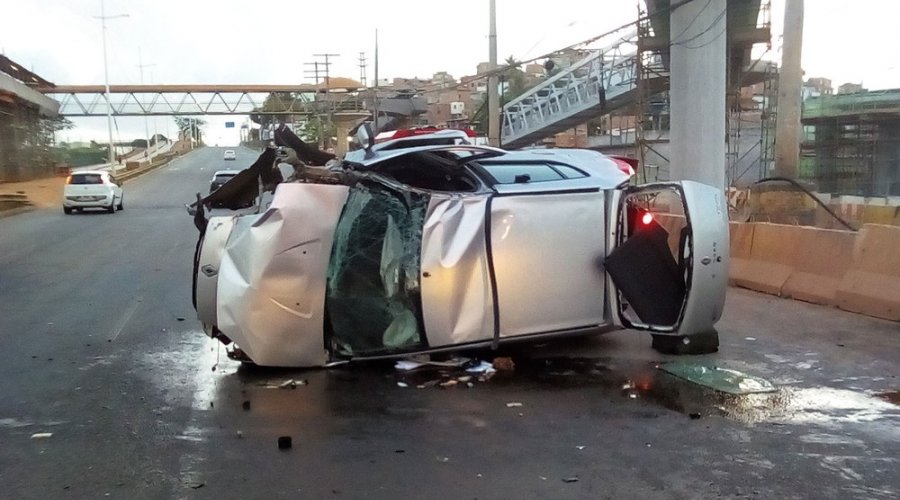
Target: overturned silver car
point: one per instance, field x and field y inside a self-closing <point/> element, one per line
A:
<point x="434" y="244"/>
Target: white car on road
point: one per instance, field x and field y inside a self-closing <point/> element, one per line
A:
<point x="92" y="189"/>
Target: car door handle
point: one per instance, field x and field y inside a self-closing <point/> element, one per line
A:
<point x="209" y="270"/>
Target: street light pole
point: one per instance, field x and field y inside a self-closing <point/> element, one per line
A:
<point x="103" y="18"/>
<point x="141" y="67"/>
<point x="493" y="96"/>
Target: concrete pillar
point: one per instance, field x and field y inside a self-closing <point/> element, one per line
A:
<point x="343" y="122"/>
<point x="697" y="92"/>
<point x="788" y="131"/>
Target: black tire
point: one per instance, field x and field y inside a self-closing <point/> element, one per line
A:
<point x="67" y="210"/>
<point x="121" y="205"/>
<point x="112" y="206"/>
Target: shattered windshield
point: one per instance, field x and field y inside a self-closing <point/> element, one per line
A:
<point x="373" y="292"/>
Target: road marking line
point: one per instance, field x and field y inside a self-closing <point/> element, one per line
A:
<point x="125" y="318"/>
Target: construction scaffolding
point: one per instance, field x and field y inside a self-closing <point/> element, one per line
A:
<point x="852" y="143"/>
<point x="748" y="24"/>
<point x="767" y="121"/>
<point x="652" y="103"/>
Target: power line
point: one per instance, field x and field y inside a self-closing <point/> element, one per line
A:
<point x="673" y="39"/>
<point x="504" y="68"/>
<point x="715" y="21"/>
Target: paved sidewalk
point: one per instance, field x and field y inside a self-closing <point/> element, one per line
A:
<point x="42" y="193"/>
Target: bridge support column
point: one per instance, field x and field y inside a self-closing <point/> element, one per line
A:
<point x="788" y="131"/>
<point x="697" y="92"/>
<point x="343" y="123"/>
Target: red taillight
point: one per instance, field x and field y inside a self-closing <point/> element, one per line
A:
<point x="470" y="132"/>
<point x="647" y="218"/>
<point x="625" y="164"/>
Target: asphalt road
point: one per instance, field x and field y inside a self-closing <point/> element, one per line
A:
<point x="101" y="350"/>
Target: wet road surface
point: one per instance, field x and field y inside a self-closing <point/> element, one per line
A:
<point x="102" y="352"/>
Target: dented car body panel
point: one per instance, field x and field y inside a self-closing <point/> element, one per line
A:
<point x="446" y="246"/>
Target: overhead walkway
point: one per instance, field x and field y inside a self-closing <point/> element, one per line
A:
<point x="599" y="83"/>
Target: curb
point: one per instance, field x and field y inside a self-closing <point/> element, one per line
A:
<point x="16" y="211"/>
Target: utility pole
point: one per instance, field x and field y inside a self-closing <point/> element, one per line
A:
<point x="790" y="81"/>
<point x="327" y="66"/>
<point x="141" y="67"/>
<point x="326" y="89"/>
<point x="103" y="17"/>
<point x="375" y="131"/>
<point x="315" y="75"/>
<point x="362" y="68"/>
<point x="493" y="96"/>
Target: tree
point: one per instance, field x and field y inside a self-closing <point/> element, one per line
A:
<point x="190" y="127"/>
<point x="318" y="131"/>
<point x="39" y="145"/>
<point x="512" y="83"/>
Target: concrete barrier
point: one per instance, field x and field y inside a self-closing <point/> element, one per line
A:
<point x="855" y="271"/>
<point x="771" y="260"/>
<point x="740" y="236"/>
<point x="822" y="258"/>
<point x="871" y="285"/>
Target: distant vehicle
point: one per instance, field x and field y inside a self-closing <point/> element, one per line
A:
<point x="92" y="189"/>
<point x="230" y="155"/>
<point x="440" y="247"/>
<point x="220" y="178"/>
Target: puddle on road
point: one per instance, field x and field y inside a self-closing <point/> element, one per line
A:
<point x="629" y="380"/>
<point x="647" y="381"/>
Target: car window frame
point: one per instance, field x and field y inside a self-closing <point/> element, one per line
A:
<point x="480" y="168"/>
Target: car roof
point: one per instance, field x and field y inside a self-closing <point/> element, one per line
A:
<point x="226" y="172"/>
<point x="89" y="172"/>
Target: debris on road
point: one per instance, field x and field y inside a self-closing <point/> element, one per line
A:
<point x="720" y="379"/>
<point x="245" y="405"/>
<point x="291" y="384"/>
<point x="41" y="435"/>
<point x="504" y="364"/>
<point x="483" y="367"/>
<point x="573" y="479"/>
<point x="285" y="443"/>
<point x="890" y="397"/>
<point x="514" y="404"/>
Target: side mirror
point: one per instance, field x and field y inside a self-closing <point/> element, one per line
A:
<point x="365" y="137"/>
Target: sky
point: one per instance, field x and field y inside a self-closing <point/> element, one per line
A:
<point x="269" y="42"/>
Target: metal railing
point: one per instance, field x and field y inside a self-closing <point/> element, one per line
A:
<point x="591" y="84"/>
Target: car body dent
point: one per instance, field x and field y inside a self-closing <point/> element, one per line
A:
<point x="271" y="284"/>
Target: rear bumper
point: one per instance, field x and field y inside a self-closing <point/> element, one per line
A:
<point x="103" y="202"/>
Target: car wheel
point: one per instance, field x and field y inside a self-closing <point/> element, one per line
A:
<point x="121" y="205"/>
<point x="112" y="206"/>
<point x="67" y="210"/>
